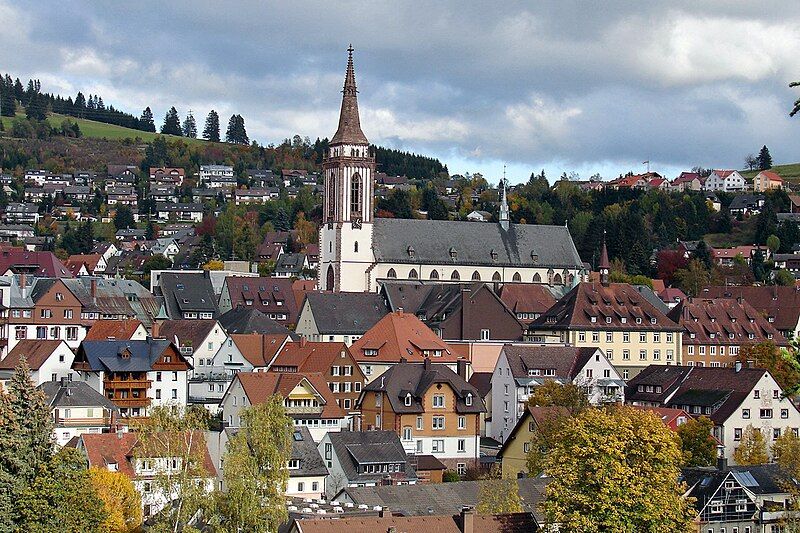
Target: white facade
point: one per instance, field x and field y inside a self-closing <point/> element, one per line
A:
<point x="72" y="334"/>
<point x="74" y="421"/>
<point x="733" y="181"/>
<point x="58" y="365"/>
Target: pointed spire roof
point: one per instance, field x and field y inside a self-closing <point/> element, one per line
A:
<point x="604" y="262"/>
<point x="504" y="216"/>
<point x="349" y="131"/>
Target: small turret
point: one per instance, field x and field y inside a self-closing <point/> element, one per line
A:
<point x="504" y="218"/>
<point x="605" y="266"/>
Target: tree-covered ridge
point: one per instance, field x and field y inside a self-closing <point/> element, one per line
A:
<point x="399" y="163"/>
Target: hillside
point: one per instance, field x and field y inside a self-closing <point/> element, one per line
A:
<point x="790" y="172"/>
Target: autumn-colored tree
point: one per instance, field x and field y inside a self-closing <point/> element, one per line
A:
<point x="694" y="277"/>
<point x="668" y="262"/>
<point x="554" y="394"/>
<point x="499" y="496"/>
<point x="122" y="501"/>
<point x="306" y="230"/>
<point x="214" y="264"/>
<point x="697" y="443"/>
<point x="616" y="469"/>
<point x="548" y="423"/>
<point x="752" y="449"/>
<point x="786" y="452"/>
<point x="766" y="355"/>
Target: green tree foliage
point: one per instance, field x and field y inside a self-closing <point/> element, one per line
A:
<point x="172" y="123"/>
<point x="399" y="163"/>
<point x="554" y="394"/>
<point x="255" y="471"/>
<point x="785" y="370"/>
<point x="773" y="243"/>
<point x="697" y="445"/>
<point x="397" y="205"/>
<point x="450" y="476"/>
<point x="80" y="240"/>
<point x="146" y="120"/>
<point x="764" y="159"/>
<point x="189" y="127"/>
<point x="211" y="129"/>
<point x="616" y="469"/>
<point x="499" y="496"/>
<point x="123" y="218"/>
<point x="752" y="449"/>
<point x="694" y="277"/>
<point x="767" y="223"/>
<point x="236" y="132"/>
<point x="785" y="278"/>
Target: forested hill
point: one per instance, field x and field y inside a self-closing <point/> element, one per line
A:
<point x="398" y="163"/>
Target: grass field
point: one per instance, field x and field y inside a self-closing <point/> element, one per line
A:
<point x="790" y="172"/>
<point x="91" y="128"/>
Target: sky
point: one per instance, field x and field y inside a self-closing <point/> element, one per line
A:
<point x="565" y="86"/>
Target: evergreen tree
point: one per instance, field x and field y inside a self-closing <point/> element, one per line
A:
<point x="123" y="219"/>
<point x="236" y="133"/>
<point x="146" y="120"/>
<point x="35" y="426"/>
<point x="172" y="123"/>
<point x="189" y="126"/>
<point x="764" y="159"/>
<point x="211" y="130"/>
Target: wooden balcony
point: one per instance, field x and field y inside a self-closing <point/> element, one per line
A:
<point x="131" y="402"/>
<point x="124" y="384"/>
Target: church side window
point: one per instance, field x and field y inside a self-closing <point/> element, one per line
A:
<point x="517" y="277"/>
<point x="455" y="275"/>
<point x="434" y="274"/>
<point x="355" y="247"/>
<point x="355" y="194"/>
<point x="413" y="274"/>
<point x="476" y="276"/>
<point x="496" y="276"/>
<point x="537" y="278"/>
<point x="557" y="280"/>
<point x="391" y="274"/>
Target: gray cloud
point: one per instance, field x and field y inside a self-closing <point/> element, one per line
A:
<point x="571" y="82"/>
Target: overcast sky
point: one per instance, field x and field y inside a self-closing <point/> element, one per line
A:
<point x="562" y="85"/>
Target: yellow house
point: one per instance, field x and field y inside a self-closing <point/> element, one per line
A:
<point x="766" y="180"/>
<point x="513" y="456"/>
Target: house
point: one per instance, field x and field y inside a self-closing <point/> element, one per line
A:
<point x="247" y="320"/>
<point x="725" y="180"/>
<point x="401" y="336"/>
<point x="197" y="339"/>
<point x="85" y="177"/>
<point x="255" y="196"/>
<point x="77" y="409"/>
<point x="187" y="295"/>
<point x="715" y="329"/>
<point x="790" y="262"/>
<point x="211" y="172"/>
<point x="365" y="459"/>
<point x="780" y="305"/>
<point x="111" y="330"/>
<point x="167" y="176"/>
<point x="201" y="196"/>
<point x="261" y="178"/>
<point x="433" y="409"/>
<point x="21" y="213"/>
<point x="688" y="181"/>
<point x="732" y="397"/>
<point x="291" y="265"/>
<point x="179" y="211"/>
<point x="672" y="418"/>
<point x="15" y="260"/>
<point x="131" y="234"/>
<point x="134" y="374"/>
<point x="339" y="317"/>
<point x="95" y="264"/>
<point x="36" y="176"/>
<point x="522" y="368"/>
<point x="125" y="174"/>
<point x="479" y="216"/>
<point x="166" y="247"/>
<point x="726" y="257"/>
<point x="307" y="399"/>
<point x="13" y="232"/>
<point x="672" y="296"/>
<point x="122" y="196"/>
<point x="271" y="296"/>
<point x="163" y="194"/>
<point x="113" y="299"/>
<point x="333" y="360"/>
<point x="307" y="471"/>
<point x="455" y="311"/>
<point x="145" y="463"/>
<point x="767" y="180"/>
<point x="746" y="204"/>
<point x="390" y="182"/>
<point x="49" y="360"/>
<point x="513" y="455"/>
<point x="526" y="300"/>
<point x="616" y="318"/>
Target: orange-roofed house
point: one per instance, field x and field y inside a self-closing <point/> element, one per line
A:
<point x="672" y="418"/>
<point x="397" y="336"/>
<point x="125" y="453"/>
<point x="334" y="360"/>
<point x="306" y="396"/>
<point x="95" y="264"/>
<point x="110" y="330"/>
<point x="766" y="180"/>
<point x="49" y="360"/>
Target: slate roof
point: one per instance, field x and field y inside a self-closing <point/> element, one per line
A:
<point x="35" y="351"/>
<point x="187" y="332"/>
<point x="354" y="448"/>
<point x="115" y="297"/>
<point x="567" y="361"/>
<point x="346" y="313"/>
<point x="291" y="263"/>
<point x="259" y="386"/>
<point x="616" y="301"/>
<point x="74" y="394"/>
<point x="187" y="292"/>
<point x="504" y="523"/>
<point x="746" y="201"/>
<point x="248" y="320"/>
<point x="265" y="294"/>
<point x="349" y="130"/>
<point x="482" y="381"/>
<point x="404" y="378"/>
<point x="105" y="356"/>
<point x="432" y="241"/>
<point x="782" y="304"/>
<point x="305" y="451"/>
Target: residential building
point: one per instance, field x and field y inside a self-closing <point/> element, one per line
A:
<point x="767" y="180"/>
<point x="307" y="399"/>
<point x="431" y="408"/>
<point x="271" y="296"/>
<point x="746" y="204"/>
<point x="513" y="455"/>
<point x="15" y="260"/>
<point x="95" y="264"/>
<point x="715" y="329"/>
<point x="112" y="330"/>
<point x="196" y="339"/>
<point x="291" y="265"/>
<point x="244" y="320"/>
<point x="522" y="368"/>
<point x="163" y="194"/>
<point x="255" y="196"/>
<point x="135" y="375"/>
<point x="113" y="299"/>
<point x="725" y="180"/>
<point x="209" y="173"/>
<point x="18" y="213"/>
<point x="122" y="196"/>
<point x="187" y="295"/>
<point x="45" y="310"/>
<point x="49" y="360"/>
<point x="365" y="459"/>
<point x="526" y="300"/>
<point x="671" y="417"/>
<point x="167" y="176"/>
<point x="727" y="257"/>
<point x="339" y="317"/>
<point x="779" y="305"/>
<point x="77" y="409"/>
<point x="688" y="181"/>
<point x="732" y="397"/>
<point x="180" y="212"/>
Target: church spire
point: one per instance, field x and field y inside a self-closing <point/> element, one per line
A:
<point x="349" y="131"/>
<point x="504" y="218"/>
<point x="605" y="266"/>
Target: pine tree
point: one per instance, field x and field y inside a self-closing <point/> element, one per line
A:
<point x="172" y="123"/>
<point x="146" y="120"/>
<point x="211" y="130"/>
<point x="236" y="133"/>
<point x="764" y="159"/>
<point x="190" y="126"/>
<point x="80" y="104"/>
<point x="29" y="407"/>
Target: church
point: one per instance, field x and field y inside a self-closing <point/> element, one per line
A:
<point x="358" y="250"/>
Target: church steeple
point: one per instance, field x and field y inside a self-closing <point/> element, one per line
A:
<point x="605" y="265"/>
<point x="504" y="218"/>
<point x="349" y="131"/>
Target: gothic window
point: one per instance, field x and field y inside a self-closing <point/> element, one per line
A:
<point x="391" y="274"/>
<point x="329" y="280"/>
<point x="557" y="280"/>
<point x="355" y="247"/>
<point x="434" y="274"/>
<point x="355" y="194"/>
<point x="537" y="278"/>
<point x="550" y="277"/>
<point x="331" y="196"/>
<point x="455" y="275"/>
<point x="517" y="277"/>
<point x="476" y="276"/>
<point x="413" y="274"/>
<point x="496" y="276"/>
<point x="571" y="279"/>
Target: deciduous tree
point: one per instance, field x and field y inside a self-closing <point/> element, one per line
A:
<point x="766" y="355"/>
<point x="696" y="442"/>
<point x="122" y="502"/>
<point x="499" y="496"/>
<point x="752" y="449"/>
<point x="554" y="394"/>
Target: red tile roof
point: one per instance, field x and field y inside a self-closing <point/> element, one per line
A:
<point x="90" y="260"/>
<point x="260" y="386"/>
<point x="772" y="176"/>
<point x="311" y="356"/>
<point x="723" y="173"/>
<point x="505" y="523"/>
<point x="188" y="332"/>
<point x="527" y="298"/>
<point x="401" y="335"/>
<point x="258" y="349"/>
<point x="36" y="352"/>
<point x="781" y="304"/>
<point x="668" y="415"/>
<point x="112" y="329"/>
<point x="42" y="264"/>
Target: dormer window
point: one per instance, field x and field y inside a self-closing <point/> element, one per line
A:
<point x="410" y="251"/>
<point x="624" y="320"/>
<point x="370" y="352"/>
<point x="751" y="336"/>
<point x="493" y="255"/>
<point x="652" y="320"/>
<point x="453" y="253"/>
<point x="468" y="401"/>
<point x="534" y="257"/>
<point x="691" y="335"/>
<point x="608" y="320"/>
<point x="638" y="320"/>
<point x="408" y="400"/>
<point x="771" y="319"/>
<point x="593" y="319"/>
<point x="712" y="335"/>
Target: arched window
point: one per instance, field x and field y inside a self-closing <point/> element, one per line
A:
<point x="537" y="278"/>
<point x="331" y="196"/>
<point x="496" y="276"/>
<point x="550" y="277"/>
<point x="391" y="274"/>
<point x="476" y="276"/>
<point x="329" y="280"/>
<point x="434" y="274"/>
<point x="455" y="275"/>
<point x="355" y="194"/>
<point x="413" y="274"/>
<point x="557" y="280"/>
<point x="517" y="277"/>
<point x="355" y="247"/>
<point x="571" y="279"/>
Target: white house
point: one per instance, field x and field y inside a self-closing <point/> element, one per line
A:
<point x="521" y="368"/>
<point x="49" y="360"/>
<point x="725" y="180"/>
<point x="77" y="409"/>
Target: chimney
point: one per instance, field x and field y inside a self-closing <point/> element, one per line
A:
<point x="155" y="329"/>
<point x="385" y="513"/>
<point x="93" y="289"/>
<point x="120" y="433"/>
<point x="63" y="382"/>
<point x="467" y="519"/>
<point x="303" y="341"/>
<point x="427" y="363"/>
<point x="722" y="463"/>
<point x="461" y="368"/>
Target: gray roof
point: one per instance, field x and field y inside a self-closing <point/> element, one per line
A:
<point x="250" y="320"/>
<point x="107" y="355"/>
<point x="305" y="450"/>
<point x="354" y="448"/>
<point x="652" y="297"/>
<point x="292" y="263"/>
<point x="74" y="394"/>
<point x="346" y="313"/>
<point x="473" y="244"/>
<point x="187" y="292"/>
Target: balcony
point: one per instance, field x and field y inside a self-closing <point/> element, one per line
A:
<point x="142" y="383"/>
<point x="131" y="402"/>
<point x="297" y="410"/>
<point x="82" y="422"/>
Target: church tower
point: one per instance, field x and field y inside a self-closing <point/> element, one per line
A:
<point x="346" y="234"/>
